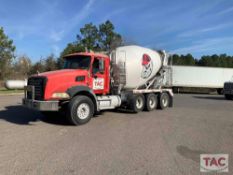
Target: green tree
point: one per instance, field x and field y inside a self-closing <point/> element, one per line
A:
<point x="108" y="38"/>
<point x="204" y="61"/>
<point x="187" y="60"/>
<point x="72" y="48"/>
<point x="221" y="60"/>
<point x="50" y="63"/>
<point x="22" y="67"/>
<point x="175" y="59"/>
<point x="6" y="54"/>
<point x="91" y="37"/>
<point x="45" y="64"/>
<point x="38" y="67"/>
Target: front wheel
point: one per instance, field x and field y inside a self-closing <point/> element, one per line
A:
<point x="80" y="110"/>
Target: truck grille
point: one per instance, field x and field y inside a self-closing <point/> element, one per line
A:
<point x="39" y="86"/>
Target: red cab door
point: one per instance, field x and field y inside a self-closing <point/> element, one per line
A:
<point x="99" y="76"/>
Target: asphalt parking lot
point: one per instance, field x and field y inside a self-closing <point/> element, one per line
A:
<point x="159" y="142"/>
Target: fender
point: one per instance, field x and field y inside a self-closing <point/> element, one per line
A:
<point x="83" y="90"/>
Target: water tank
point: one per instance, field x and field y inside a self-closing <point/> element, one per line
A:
<point x="15" y="84"/>
<point x="140" y="63"/>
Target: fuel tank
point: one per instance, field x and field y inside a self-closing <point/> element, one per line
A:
<point x="15" y="84"/>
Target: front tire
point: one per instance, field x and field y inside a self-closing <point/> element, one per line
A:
<point x="80" y="110"/>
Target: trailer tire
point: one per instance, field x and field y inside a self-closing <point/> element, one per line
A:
<point x="164" y="100"/>
<point x="137" y="103"/>
<point x="151" y="102"/>
<point x="220" y="91"/>
<point x="80" y="110"/>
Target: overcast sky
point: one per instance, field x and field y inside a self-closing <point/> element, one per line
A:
<point x="199" y="27"/>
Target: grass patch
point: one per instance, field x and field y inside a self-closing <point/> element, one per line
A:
<point x="6" y="91"/>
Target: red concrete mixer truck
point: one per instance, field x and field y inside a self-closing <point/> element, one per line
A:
<point x="131" y="77"/>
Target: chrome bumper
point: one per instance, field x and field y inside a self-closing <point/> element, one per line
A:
<point x="41" y="105"/>
<point x="37" y="104"/>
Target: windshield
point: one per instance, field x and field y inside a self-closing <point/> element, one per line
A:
<point x="77" y="62"/>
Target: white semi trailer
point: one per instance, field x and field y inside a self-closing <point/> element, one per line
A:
<point x="197" y="77"/>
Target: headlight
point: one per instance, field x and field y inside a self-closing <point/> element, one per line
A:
<point x="60" y="95"/>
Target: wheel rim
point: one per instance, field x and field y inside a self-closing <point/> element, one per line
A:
<point x="83" y="111"/>
<point x="139" y="103"/>
<point x="152" y="103"/>
<point x="165" y="101"/>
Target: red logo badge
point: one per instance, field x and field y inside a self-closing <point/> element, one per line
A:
<point x="147" y="66"/>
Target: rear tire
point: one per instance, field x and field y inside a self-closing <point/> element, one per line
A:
<point x="137" y="103"/>
<point x="80" y="110"/>
<point x="164" y="100"/>
<point x="220" y="91"/>
<point x="151" y="102"/>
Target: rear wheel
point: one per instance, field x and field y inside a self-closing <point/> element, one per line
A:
<point x="220" y="91"/>
<point x="151" y="102"/>
<point x="164" y="100"/>
<point x="138" y="102"/>
<point x="80" y="110"/>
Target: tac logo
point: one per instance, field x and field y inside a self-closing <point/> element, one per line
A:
<point x="214" y="163"/>
<point x="98" y="83"/>
<point x="147" y="66"/>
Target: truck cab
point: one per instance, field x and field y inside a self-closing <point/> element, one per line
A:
<point x="88" y="70"/>
<point x="96" y="68"/>
<point x="83" y="73"/>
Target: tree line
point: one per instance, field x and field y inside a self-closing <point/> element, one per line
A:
<point x="215" y="60"/>
<point x="91" y="37"/>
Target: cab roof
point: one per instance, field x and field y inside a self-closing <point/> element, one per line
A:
<point x="86" y="54"/>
